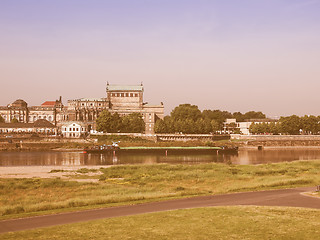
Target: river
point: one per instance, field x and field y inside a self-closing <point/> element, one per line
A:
<point x="244" y="156"/>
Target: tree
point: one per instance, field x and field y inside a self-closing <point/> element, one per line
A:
<point x="215" y="125"/>
<point x="160" y="126"/>
<point x="310" y="124"/>
<point x="217" y="115"/>
<point x="186" y="111"/>
<point x="238" y="116"/>
<point x="104" y="121"/>
<point x="14" y="120"/>
<point x="290" y="125"/>
<point x="254" y="115"/>
<point x="1" y="119"/>
<point x="116" y="123"/>
<point x="133" y="123"/>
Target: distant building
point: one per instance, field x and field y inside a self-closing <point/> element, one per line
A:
<point x="231" y="124"/>
<point x="40" y="126"/>
<point x="121" y="99"/>
<point x="74" y="129"/>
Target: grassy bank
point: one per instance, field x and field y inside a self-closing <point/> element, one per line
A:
<point x="136" y="183"/>
<point x="203" y="223"/>
<point x="125" y="141"/>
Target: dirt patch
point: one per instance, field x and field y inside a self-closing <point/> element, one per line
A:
<point x="63" y="172"/>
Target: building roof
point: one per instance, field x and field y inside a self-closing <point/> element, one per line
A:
<point x="48" y="104"/>
<point x="41" y="123"/>
<point x="124" y="88"/>
<point x="261" y="120"/>
<point x="19" y="103"/>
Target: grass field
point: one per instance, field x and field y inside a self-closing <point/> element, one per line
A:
<point x="202" y="223"/>
<point x="131" y="184"/>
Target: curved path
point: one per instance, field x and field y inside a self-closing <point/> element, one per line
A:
<point x="284" y="197"/>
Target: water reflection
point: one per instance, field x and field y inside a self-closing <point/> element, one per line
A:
<point x="81" y="159"/>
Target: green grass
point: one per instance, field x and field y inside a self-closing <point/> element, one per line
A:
<point x="125" y="184"/>
<point x="203" y="223"/>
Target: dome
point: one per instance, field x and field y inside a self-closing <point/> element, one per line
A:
<point x="19" y="104"/>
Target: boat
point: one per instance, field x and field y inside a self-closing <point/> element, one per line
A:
<point x="228" y="150"/>
<point x="102" y="148"/>
<point x="114" y="148"/>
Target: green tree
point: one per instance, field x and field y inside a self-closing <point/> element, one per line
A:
<point x="217" y="115"/>
<point x="1" y="119"/>
<point x="104" y="121"/>
<point x="238" y="116"/>
<point x="254" y="115"/>
<point x="116" y="123"/>
<point x="290" y="125"/>
<point x="310" y="124"/>
<point x="215" y="125"/>
<point x="160" y="126"/>
<point x="186" y="111"/>
<point x="14" y="120"/>
<point x="133" y="123"/>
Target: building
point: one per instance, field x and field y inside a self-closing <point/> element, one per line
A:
<point x="40" y="126"/>
<point x="19" y="110"/>
<point x="74" y="129"/>
<point x="121" y="99"/>
<point x="232" y="126"/>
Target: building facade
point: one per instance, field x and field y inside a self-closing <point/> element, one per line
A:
<point x="231" y="124"/>
<point x="121" y="99"/>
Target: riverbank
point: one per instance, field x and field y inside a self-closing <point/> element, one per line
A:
<point x="247" y="142"/>
<point x="132" y="184"/>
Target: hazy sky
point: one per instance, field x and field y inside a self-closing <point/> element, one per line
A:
<point x="234" y="55"/>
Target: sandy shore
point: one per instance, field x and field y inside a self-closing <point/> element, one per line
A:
<point x="44" y="172"/>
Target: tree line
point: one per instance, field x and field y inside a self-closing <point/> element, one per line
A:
<point x="114" y="123"/>
<point x="292" y="125"/>
<point x="187" y="118"/>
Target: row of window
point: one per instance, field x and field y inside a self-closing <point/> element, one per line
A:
<point x="91" y="104"/>
<point x="124" y="94"/>
<point x="73" y="129"/>
<point x="35" y="118"/>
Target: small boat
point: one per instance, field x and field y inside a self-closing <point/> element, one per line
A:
<point x="102" y="148"/>
<point x="228" y="150"/>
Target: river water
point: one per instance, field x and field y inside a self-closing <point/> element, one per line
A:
<point x="244" y="156"/>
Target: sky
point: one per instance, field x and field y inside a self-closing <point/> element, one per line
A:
<point x="233" y="55"/>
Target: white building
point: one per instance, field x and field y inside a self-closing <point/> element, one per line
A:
<point x="231" y="124"/>
<point x="73" y="129"/>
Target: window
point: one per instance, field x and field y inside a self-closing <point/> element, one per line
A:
<point x="77" y="129"/>
<point x="121" y="95"/>
<point x="127" y="94"/>
<point x="136" y="94"/>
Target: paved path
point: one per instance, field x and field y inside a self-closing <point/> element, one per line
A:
<point x="285" y="197"/>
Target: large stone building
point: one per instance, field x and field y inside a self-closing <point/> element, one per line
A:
<point x="119" y="99"/>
